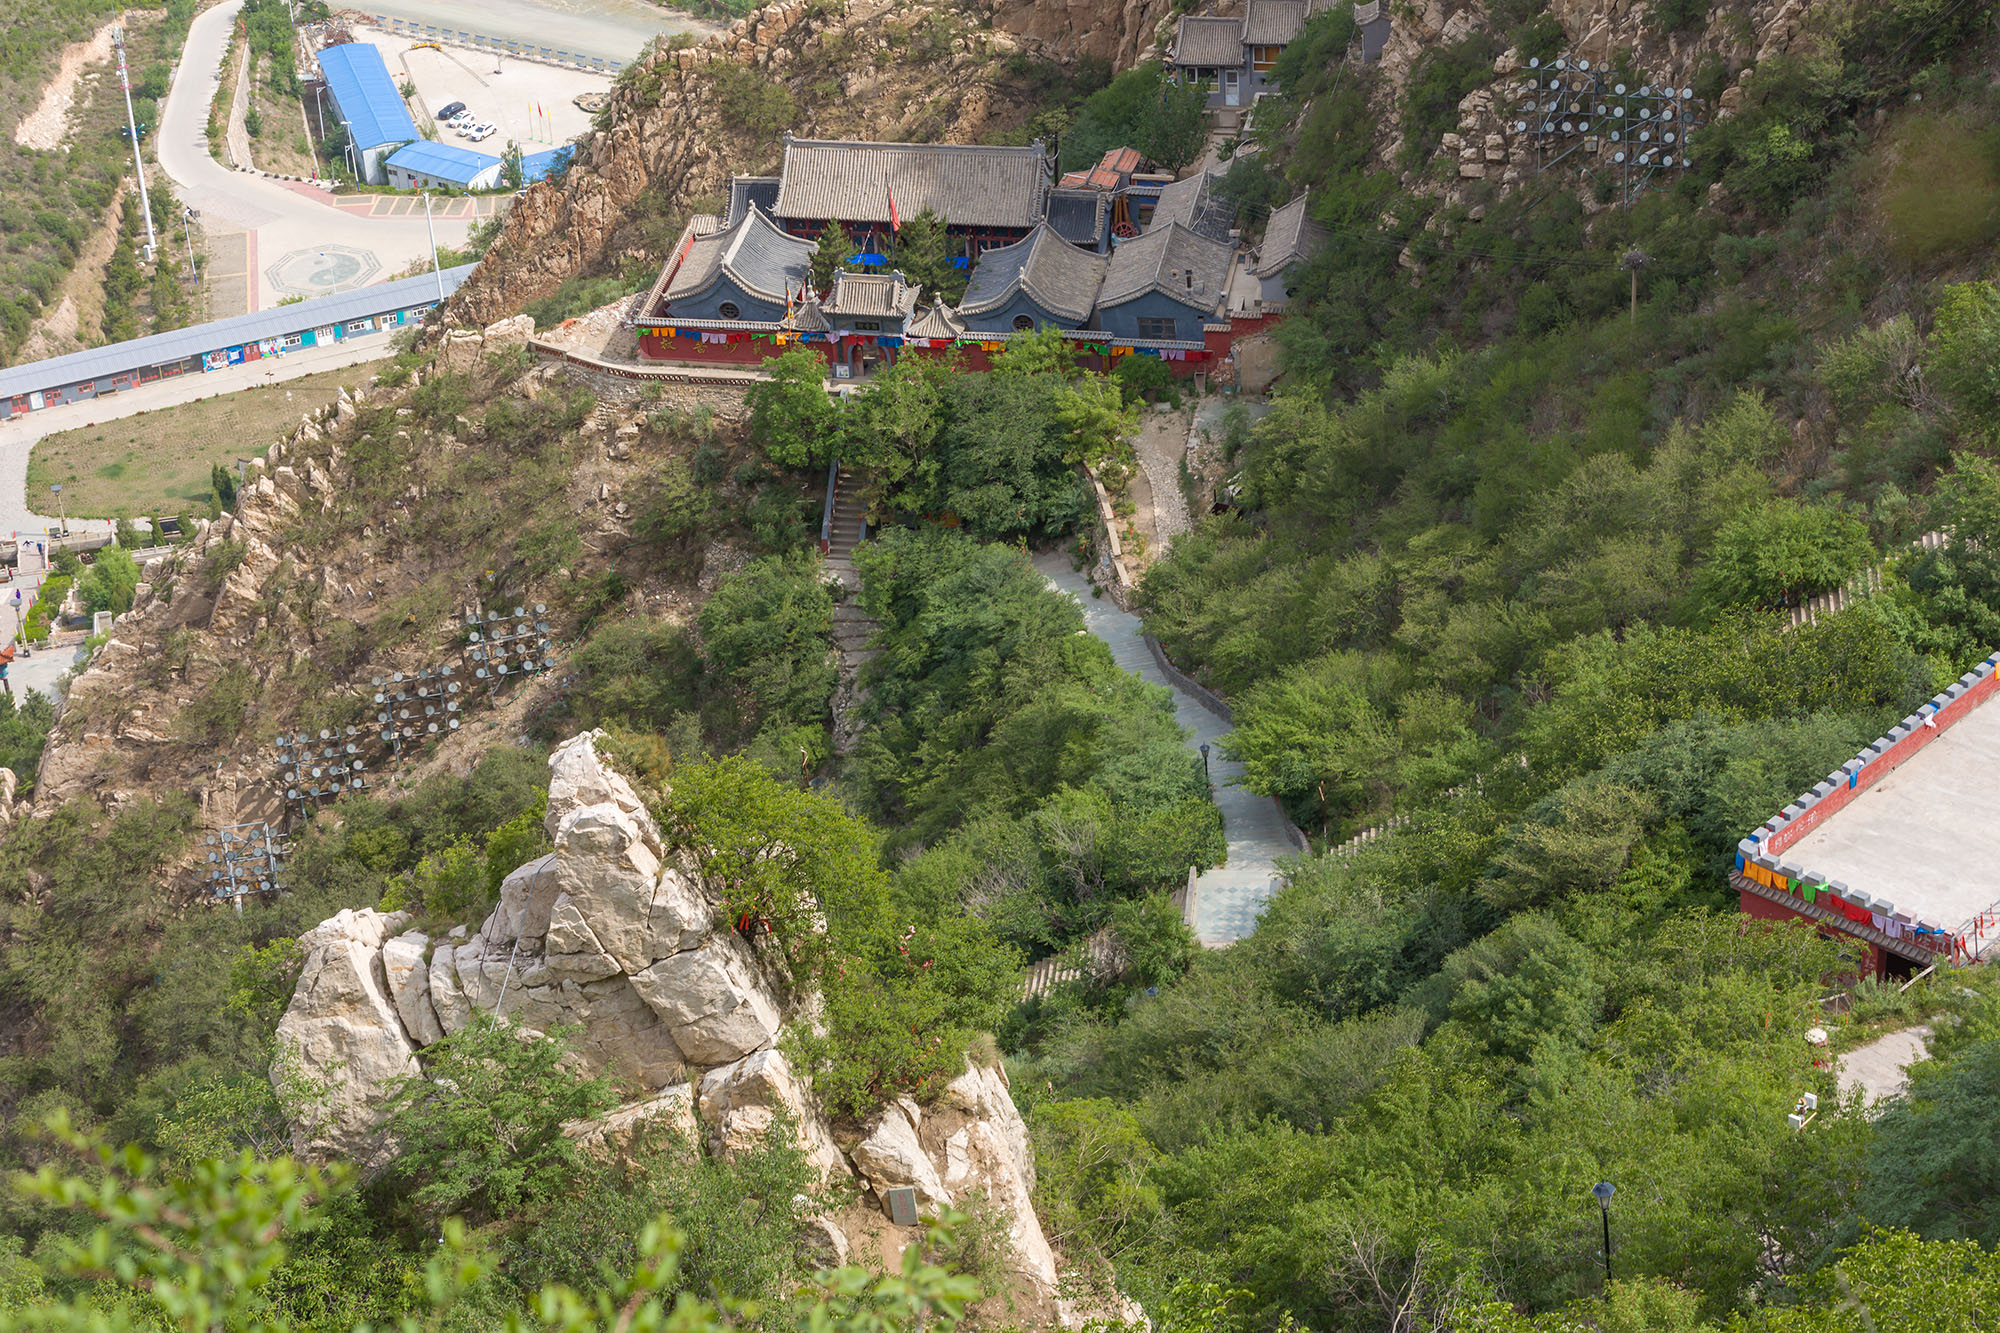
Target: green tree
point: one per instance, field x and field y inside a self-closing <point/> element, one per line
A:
<point x="892" y="432"/>
<point x="512" y="174"/>
<point x="1936" y="1165"/>
<point x="1783" y="552"/>
<point x="480" y="1132"/>
<point x="791" y="418"/>
<point x="768" y="628"/>
<point x="832" y="253"/>
<point x="109" y="582"/>
<point x="1965" y="351"/>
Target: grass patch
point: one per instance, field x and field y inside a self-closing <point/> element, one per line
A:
<point x="1942" y="196"/>
<point x="158" y="462"/>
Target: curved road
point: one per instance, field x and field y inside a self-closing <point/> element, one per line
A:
<point x="322" y="248"/>
<point x="1229" y="898"/>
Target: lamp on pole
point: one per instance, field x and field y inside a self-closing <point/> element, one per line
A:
<point x="437" y="272"/>
<point x="1604" y="1189"/>
<point x="188" y="218"/>
<point x="1204" y="765"/>
<point x="62" y="514"/>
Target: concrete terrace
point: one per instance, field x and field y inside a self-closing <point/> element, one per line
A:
<point x="1228" y="899"/>
<point x="1924" y="836"/>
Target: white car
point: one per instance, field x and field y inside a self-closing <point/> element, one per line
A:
<point x="487" y="131"/>
<point x="464" y="131"/>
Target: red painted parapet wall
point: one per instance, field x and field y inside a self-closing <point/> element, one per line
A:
<point x="1759" y="856"/>
<point x="1931" y="721"/>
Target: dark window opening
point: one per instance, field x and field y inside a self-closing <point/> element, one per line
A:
<point x="1158" y="330"/>
<point x="1024" y="322"/>
<point x="730" y="310"/>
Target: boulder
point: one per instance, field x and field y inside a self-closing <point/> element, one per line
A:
<point x="892" y="1157"/>
<point x="448" y="999"/>
<point x="341" y="1045"/>
<point x="740" y="1102"/>
<point x="409" y="976"/>
<point x="638" y="910"/>
<point x="612" y="1135"/>
<point x="713" y="1000"/>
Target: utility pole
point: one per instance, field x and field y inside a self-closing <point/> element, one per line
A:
<point x="1635" y="259"/>
<point x="428" y="231"/>
<point x="138" y="161"/>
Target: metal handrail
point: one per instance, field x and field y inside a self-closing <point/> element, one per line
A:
<point x="826" y="515"/>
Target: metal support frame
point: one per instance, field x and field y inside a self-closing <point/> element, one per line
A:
<point x="1571" y="108"/>
<point x="322" y="768"/>
<point x="502" y="646"/>
<point x="243" y="859"/>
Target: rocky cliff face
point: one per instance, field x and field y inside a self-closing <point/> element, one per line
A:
<point x="675" y="130"/>
<point x="614" y="933"/>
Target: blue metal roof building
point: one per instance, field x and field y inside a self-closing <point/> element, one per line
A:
<point x="424" y="165"/>
<point x="367" y="102"/>
<point x="224" y="342"/>
<point x="535" y="166"/>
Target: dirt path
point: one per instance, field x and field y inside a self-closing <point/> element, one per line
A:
<point x="45" y="127"/>
<point x="1161" y="445"/>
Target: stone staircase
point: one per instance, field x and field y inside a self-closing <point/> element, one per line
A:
<point x="842" y="528"/>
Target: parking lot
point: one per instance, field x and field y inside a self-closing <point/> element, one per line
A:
<point x="505" y="99"/>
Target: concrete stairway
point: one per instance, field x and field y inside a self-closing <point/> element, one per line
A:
<point x="851" y="625"/>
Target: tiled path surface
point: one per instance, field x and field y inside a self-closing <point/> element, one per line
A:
<point x="1229" y="898"/>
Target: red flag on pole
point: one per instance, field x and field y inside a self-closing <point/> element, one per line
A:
<point x="895" y="218"/>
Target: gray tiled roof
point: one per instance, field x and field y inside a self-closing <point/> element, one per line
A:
<point x="1060" y="278"/>
<point x="940" y="321"/>
<point x="754" y="254"/>
<point x="177" y="345"/>
<point x="1273" y="22"/>
<point x="1195" y="204"/>
<point x="746" y="190"/>
<point x="1206" y="42"/>
<point x="1170" y="259"/>
<point x="807" y="317"/>
<point x="1290" y="237"/>
<point x="966" y="185"/>
<point x="888" y="295"/>
<point x="1079" y="216"/>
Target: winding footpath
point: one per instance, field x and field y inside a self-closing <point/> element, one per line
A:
<point x="1228" y="899"/>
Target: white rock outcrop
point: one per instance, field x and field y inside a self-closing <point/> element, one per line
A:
<point x="341" y="1043"/>
<point x="616" y="935"/>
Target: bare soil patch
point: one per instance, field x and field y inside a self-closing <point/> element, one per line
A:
<point x="45" y="127"/>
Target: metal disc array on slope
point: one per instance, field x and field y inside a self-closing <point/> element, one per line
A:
<point x="244" y="858"/>
<point x="1570" y="107"/>
<point x="501" y="646"/>
<point x="320" y="768"/>
<point x="411" y="708"/>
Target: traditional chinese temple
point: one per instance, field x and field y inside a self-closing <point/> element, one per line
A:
<point x="738" y="287"/>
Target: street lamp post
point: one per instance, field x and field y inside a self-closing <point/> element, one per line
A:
<point x="188" y="217"/>
<point x="1604" y="1189"/>
<point x="1204" y="765"/>
<point x="436" y="272"/>
<point x="62" y="514"/>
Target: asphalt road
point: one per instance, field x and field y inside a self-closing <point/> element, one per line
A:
<point x="286" y="227"/>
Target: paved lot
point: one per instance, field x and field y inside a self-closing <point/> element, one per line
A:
<point x="459" y="74"/>
<point x="608" y="29"/>
<point x="1228" y="899"/>
<point x="280" y="223"/>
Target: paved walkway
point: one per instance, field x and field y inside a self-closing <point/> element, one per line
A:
<point x="1881" y="1066"/>
<point x="1228" y="899"/>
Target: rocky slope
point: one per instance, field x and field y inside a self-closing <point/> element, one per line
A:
<point x="615" y="934"/>
<point x="682" y="121"/>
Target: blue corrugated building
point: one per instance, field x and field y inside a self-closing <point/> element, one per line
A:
<point x="103" y="371"/>
<point x="366" y="100"/>
<point x="424" y="165"/>
<point x="536" y="166"/>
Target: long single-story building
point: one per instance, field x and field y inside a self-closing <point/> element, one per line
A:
<point x="1906" y="870"/>
<point x="985" y="195"/>
<point x="225" y="342"/>
<point x="367" y="103"/>
<point x="424" y="165"/>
